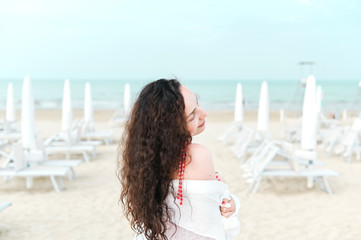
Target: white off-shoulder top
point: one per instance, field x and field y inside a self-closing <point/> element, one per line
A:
<point x="199" y="217"/>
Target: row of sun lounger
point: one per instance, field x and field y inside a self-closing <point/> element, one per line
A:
<point x="261" y="157"/>
<point x="30" y="163"/>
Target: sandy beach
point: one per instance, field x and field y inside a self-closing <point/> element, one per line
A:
<point x="88" y="208"/>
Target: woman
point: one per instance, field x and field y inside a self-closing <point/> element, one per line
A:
<point x="169" y="186"/>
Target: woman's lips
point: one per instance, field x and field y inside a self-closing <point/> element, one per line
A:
<point x="202" y="124"/>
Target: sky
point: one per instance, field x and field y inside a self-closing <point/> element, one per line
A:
<point x="202" y="39"/>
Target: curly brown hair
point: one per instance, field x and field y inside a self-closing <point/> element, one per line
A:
<point x="149" y="155"/>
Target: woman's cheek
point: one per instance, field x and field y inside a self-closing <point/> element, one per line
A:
<point x="192" y="127"/>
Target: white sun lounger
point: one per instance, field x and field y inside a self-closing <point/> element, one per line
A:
<point x="40" y="157"/>
<point x="68" y="150"/>
<point x="232" y="130"/>
<point x="87" y="131"/>
<point x="319" y="175"/>
<point x="60" y="139"/>
<point x="55" y="145"/>
<point x="244" y="142"/>
<point x="248" y="141"/>
<point x="260" y="166"/>
<point x="37" y="157"/>
<point x="349" y="145"/>
<point x="118" y="118"/>
<point x="41" y="161"/>
<point x="54" y="173"/>
<point x="332" y="139"/>
<point x="10" y="136"/>
<point x="18" y="166"/>
<point x="105" y="136"/>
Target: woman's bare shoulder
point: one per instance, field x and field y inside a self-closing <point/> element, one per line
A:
<point x="200" y="165"/>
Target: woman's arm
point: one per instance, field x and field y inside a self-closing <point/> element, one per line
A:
<point x="200" y="167"/>
<point x="228" y="207"/>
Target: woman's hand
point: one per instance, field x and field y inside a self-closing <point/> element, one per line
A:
<point x="228" y="211"/>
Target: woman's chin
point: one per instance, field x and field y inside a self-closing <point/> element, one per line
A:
<point x="200" y="130"/>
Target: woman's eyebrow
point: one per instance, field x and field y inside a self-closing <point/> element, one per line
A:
<point x="196" y="97"/>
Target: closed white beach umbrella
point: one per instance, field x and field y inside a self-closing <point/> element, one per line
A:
<point x="10" y="107"/>
<point x="27" y="116"/>
<point x="309" y="116"/>
<point x="263" y="108"/>
<point x="88" y="104"/>
<point x="126" y="98"/>
<point x="238" y="111"/>
<point x="67" y="114"/>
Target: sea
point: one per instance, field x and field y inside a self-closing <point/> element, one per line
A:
<point x="219" y="95"/>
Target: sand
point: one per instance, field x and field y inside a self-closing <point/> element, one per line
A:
<point x="88" y="208"/>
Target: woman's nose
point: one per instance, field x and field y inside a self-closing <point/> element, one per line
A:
<point x="203" y="113"/>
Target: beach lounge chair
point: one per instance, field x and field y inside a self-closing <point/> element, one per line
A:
<point x="39" y="156"/>
<point x="293" y="130"/>
<point x="347" y="142"/>
<point x="248" y="140"/>
<point x="9" y="126"/>
<point x="243" y="140"/>
<point x="10" y="136"/>
<point x="106" y="136"/>
<point x="54" y="145"/>
<point x="118" y="118"/>
<point x="233" y="130"/>
<point x="331" y="139"/>
<point x="349" y="145"/>
<point x="261" y="166"/>
<point x="74" y="134"/>
<point x="69" y="142"/>
<point x="88" y="132"/>
<point x="20" y="168"/>
<point x="301" y="156"/>
<point x="9" y="131"/>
